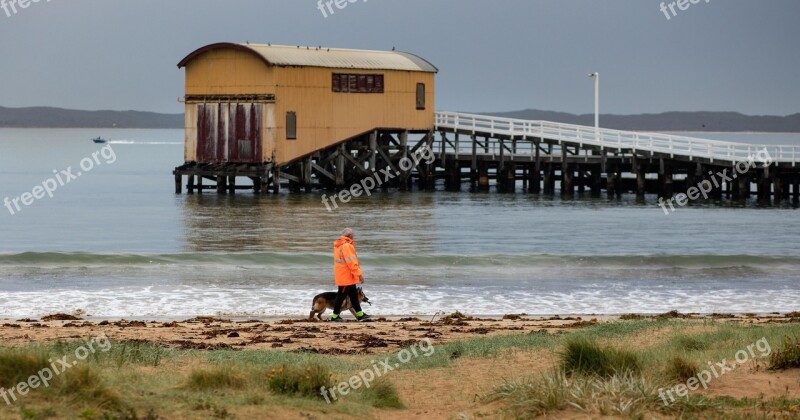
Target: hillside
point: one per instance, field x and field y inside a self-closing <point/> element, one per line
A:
<point x="46" y="117"/>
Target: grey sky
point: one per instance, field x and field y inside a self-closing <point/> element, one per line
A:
<point x="493" y="55"/>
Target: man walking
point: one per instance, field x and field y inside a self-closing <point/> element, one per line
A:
<point x="348" y="275"/>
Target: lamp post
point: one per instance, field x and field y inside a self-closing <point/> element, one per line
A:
<point x="596" y="77"/>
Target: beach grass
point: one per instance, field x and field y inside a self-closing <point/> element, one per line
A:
<point x="616" y="368"/>
<point x="787" y="356"/>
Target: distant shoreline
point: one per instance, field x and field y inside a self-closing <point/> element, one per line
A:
<point x="676" y="122"/>
<point x="181" y="128"/>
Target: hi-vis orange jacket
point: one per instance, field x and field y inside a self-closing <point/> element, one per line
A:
<point x="345" y="262"/>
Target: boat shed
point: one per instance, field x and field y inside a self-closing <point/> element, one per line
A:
<point x="272" y="104"/>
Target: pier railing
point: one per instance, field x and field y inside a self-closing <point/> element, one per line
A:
<point x="637" y="142"/>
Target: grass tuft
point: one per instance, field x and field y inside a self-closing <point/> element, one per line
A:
<point x="582" y="356"/>
<point x="382" y="394"/>
<point x="787" y="356"/>
<point x="85" y="386"/>
<point x="18" y="365"/>
<point x="627" y="394"/>
<point x="681" y="369"/>
<point x="297" y="381"/>
<point x="214" y="378"/>
<point x="690" y="343"/>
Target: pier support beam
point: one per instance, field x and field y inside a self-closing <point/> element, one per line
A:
<point x="483" y="177"/>
<point x="507" y="178"/>
<point x="778" y="186"/>
<point x="453" y="179"/>
<point x="340" y="167"/>
<point x="795" y="190"/>
<point x="764" y="186"/>
<point x="638" y="169"/>
<point x="743" y="186"/>
<point x="178" y="183"/>
<point x="232" y="184"/>
<point x="473" y="168"/>
<point x="596" y="181"/>
<point x="567" y="174"/>
<point x="665" y="180"/>
<point x="611" y="181"/>
<point x="549" y="179"/>
<point x="276" y="179"/>
<point x="536" y="170"/>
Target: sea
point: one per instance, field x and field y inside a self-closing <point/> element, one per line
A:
<point x="117" y="242"/>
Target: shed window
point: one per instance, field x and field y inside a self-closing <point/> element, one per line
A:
<point x="420" y="95"/>
<point x="357" y="83"/>
<point x="337" y="85"/>
<point x="353" y="86"/>
<point x="291" y="125"/>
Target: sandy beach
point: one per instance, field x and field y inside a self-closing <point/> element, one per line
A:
<point x="379" y="335"/>
<point x="471" y="358"/>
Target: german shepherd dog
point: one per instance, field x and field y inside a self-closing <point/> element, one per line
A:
<point x="325" y="301"/>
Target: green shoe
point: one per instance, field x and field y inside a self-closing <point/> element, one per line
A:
<point x="363" y="317"/>
<point x="337" y="319"/>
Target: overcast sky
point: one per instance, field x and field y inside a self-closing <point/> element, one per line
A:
<point x="493" y="55"/>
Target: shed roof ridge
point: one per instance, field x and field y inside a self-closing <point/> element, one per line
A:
<point x="307" y="56"/>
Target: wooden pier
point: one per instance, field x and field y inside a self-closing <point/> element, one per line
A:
<point x="480" y="153"/>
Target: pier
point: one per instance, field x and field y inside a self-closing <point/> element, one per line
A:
<point x="314" y="118"/>
<point x="482" y="153"/>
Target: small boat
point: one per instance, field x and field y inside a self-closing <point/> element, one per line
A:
<point x="100" y="140"/>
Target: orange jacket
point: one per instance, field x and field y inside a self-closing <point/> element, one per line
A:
<point x="345" y="262"/>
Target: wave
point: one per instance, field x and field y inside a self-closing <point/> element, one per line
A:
<point x="68" y="259"/>
<point x="182" y="302"/>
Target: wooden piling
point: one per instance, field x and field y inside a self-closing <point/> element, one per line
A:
<point x="178" y="183"/>
<point x="549" y="178"/>
<point x="611" y="182"/>
<point x="567" y="184"/>
<point x="796" y="189"/>
<point x="473" y="169"/>
<point x="276" y="180"/>
<point x="778" y="185"/>
<point x="536" y="171"/>
<point x="639" y="170"/>
<point x="596" y="181"/>
<point x="232" y="184"/>
<point x="453" y="176"/>
<point x="483" y="176"/>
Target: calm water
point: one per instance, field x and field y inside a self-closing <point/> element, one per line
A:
<point x="117" y="242"/>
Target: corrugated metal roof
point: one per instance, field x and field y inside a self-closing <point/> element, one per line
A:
<point x="282" y="55"/>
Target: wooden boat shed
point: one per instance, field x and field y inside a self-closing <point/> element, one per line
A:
<point x="308" y="116"/>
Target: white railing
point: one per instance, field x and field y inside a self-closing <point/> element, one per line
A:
<point x="652" y="143"/>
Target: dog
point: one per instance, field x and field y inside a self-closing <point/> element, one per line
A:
<point x="325" y="301"/>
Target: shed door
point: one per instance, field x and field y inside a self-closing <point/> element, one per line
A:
<point x="229" y="132"/>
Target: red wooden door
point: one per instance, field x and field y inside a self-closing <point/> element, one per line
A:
<point x="229" y="133"/>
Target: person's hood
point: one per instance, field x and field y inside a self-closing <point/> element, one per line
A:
<point x="343" y="240"/>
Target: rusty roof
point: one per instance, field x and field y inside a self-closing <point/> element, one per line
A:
<point x="301" y="56"/>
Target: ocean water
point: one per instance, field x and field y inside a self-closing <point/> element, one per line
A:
<point x="117" y="242"/>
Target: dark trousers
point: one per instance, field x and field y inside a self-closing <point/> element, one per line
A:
<point x="343" y="293"/>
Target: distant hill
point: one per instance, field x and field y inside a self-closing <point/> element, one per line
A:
<point x="45" y="117"/>
<point x="669" y="121"/>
